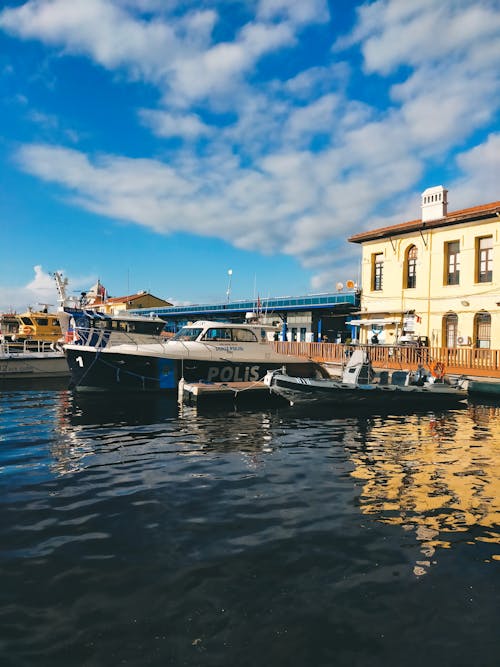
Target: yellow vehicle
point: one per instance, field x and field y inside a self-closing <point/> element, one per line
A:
<point x="38" y="325"/>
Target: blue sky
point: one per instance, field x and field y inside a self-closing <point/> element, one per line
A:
<point x="156" y="144"/>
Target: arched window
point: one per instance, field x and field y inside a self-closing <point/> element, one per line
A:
<point x="482" y="330"/>
<point x="450" y="328"/>
<point x="411" y="267"/>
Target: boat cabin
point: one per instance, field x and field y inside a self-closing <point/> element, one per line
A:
<point x="212" y="332"/>
<point x="38" y="325"/>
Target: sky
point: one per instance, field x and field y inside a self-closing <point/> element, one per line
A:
<point x="160" y="144"/>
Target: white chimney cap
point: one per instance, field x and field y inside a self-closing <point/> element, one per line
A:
<point x="434" y="203"/>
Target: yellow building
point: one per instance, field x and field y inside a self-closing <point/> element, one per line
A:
<point x="98" y="299"/>
<point x="119" y="304"/>
<point x="435" y="280"/>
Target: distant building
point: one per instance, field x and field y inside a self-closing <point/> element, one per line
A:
<point x="143" y="299"/>
<point x="435" y="280"/>
<point x="308" y="318"/>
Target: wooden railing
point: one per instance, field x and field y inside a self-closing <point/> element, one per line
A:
<point x="461" y="360"/>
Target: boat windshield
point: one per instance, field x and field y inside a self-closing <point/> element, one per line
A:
<point x="187" y="333"/>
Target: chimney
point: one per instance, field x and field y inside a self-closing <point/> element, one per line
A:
<point x="434" y="203"/>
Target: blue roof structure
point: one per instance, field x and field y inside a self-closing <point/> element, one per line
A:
<point x="339" y="301"/>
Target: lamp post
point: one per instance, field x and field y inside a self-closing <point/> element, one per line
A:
<point x="228" y="293"/>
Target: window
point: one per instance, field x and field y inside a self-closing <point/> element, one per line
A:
<point x="411" y="267"/>
<point x="452" y="255"/>
<point x="377" y="271"/>
<point x="450" y="326"/>
<point x="221" y="334"/>
<point x="482" y="330"/>
<point x="244" y="336"/>
<point x="187" y="333"/>
<point x="484" y="259"/>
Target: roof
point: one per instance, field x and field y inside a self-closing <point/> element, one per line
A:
<point x="132" y="297"/>
<point x="454" y="218"/>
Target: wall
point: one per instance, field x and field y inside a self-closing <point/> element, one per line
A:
<point x="432" y="299"/>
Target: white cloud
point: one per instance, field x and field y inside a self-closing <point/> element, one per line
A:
<point x="166" y="124"/>
<point x="109" y="34"/>
<point x="297" y="165"/>
<point x="40" y="290"/>
<point x="312" y="119"/>
<point x="403" y="32"/>
<point x="176" y="53"/>
<point x="480" y="168"/>
<point x="296" y="11"/>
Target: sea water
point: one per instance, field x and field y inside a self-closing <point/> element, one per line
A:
<point x="133" y="532"/>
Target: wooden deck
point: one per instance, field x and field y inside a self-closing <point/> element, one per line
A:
<point x="457" y="361"/>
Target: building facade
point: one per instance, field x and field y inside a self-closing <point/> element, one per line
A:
<point x="434" y="280"/>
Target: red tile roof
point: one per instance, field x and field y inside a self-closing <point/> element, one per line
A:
<point x="454" y="218"/>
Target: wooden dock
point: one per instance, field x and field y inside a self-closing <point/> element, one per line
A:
<point x="238" y="394"/>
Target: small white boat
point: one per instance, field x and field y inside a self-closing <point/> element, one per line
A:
<point x="204" y="351"/>
<point x="32" y="360"/>
<point x="358" y="386"/>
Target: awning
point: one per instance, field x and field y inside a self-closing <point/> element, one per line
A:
<point x="377" y="322"/>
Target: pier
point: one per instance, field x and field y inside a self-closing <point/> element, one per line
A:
<point x="223" y="394"/>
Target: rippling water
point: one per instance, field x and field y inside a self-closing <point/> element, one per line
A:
<point x="134" y="533"/>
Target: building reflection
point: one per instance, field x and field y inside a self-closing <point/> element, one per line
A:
<point x="436" y="476"/>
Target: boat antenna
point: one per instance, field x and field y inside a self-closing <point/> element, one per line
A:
<point x="61" y="284"/>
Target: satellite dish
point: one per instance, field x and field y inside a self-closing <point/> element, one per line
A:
<point x="350" y="284"/>
<point x="340" y="286"/>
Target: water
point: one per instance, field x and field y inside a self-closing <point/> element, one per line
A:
<point x="135" y="534"/>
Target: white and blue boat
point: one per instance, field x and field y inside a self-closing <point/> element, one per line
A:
<point x="121" y="354"/>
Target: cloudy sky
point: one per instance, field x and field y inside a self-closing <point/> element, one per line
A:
<point x="156" y="144"/>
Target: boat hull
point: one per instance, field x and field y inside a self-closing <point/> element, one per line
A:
<point x="484" y="388"/>
<point x="336" y="394"/>
<point x="35" y="366"/>
<point x="93" y="370"/>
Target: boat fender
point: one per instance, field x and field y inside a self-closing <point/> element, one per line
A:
<point x="438" y="370"/>
<point x="180" y="391"/>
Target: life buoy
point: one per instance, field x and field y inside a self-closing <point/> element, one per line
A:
<point x="438" y="370"/>
<point x="460" y="340"/>
<point x="27" y="331"/>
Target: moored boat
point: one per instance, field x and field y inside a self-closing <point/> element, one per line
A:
<point x="32" y="360"/>
<point x="487" y="388"/>
<point x="203" y="351"/>
<point x="358" y="386"/>
<point x="35" y="325"/>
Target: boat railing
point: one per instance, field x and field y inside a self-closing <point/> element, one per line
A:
<point x="12" y="347"/>
<point x="99" y="337"/>
<point x="459" y="360"/>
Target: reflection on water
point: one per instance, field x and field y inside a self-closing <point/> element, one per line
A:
<point x="435" y="476"/>
<point x="137" y="533"/>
